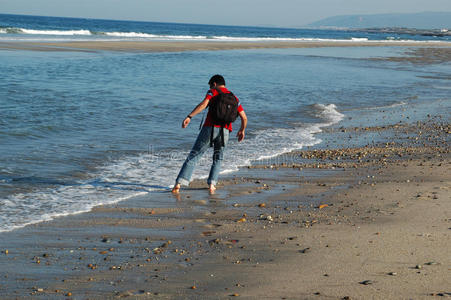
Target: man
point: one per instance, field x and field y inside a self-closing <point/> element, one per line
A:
<point x="206" y="136"/>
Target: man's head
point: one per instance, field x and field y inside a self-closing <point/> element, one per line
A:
<point x="216" y="80"/>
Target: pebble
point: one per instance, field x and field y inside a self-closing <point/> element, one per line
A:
<point x="200" y="202"/>
<point x="393" y="273"/>
<point x="268" y="218"/>
<point x="366" y="282"/>
<point x="305" y="250"/>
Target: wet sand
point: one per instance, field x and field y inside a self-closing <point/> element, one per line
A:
<point x="178" y="46"/>
<point x="422" y="56"/>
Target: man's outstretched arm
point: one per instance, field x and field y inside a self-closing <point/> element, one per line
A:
<point x="240" y="134"/>
<point x="200" y="107"/>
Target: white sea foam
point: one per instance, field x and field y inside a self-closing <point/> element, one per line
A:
<point x="56" y="32"/>
<point x="359" y="39"/>
<point x="154" y="36"/>
<point x="153" y="171"/>
<point x="328" y="112"/>
<point x="27" y="209"/>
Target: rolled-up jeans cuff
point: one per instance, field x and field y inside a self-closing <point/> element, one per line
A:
<point x="182" y="181"/>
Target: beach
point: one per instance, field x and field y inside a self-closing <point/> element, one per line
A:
<point x="363" y="215"/>
<point x="341" y="189"/>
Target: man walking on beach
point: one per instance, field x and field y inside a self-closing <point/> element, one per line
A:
<point x="212" y="134"/>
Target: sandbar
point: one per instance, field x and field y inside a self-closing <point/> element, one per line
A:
<point x="179" y="46"/>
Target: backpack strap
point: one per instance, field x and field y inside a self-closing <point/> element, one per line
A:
<point x="221" y="92"/>
<point x="222" y="136"/>
<point x="202" y="121"/>
<point x="211" y="135"/>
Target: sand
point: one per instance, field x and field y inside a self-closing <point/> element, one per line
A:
<point x="374" y="224"/>
<point x="178" y="46"/>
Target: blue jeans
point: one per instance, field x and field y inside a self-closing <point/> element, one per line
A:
<point x="200" y="146"/>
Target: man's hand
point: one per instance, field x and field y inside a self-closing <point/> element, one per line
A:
<point x="185" y="122"/>
<point x="200" y="107"/>
<point x="240" y="134"/>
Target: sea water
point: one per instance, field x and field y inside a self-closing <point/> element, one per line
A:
<point x="38" y="28"/>
<point x="79" y="129"/>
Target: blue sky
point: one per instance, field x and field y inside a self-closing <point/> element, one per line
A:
<point x="231" y="12"/>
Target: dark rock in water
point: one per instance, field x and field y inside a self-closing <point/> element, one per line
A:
<point x="441" y="294"/>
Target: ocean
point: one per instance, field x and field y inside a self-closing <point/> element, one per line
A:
<point x="80" y="129"/>
<point x="38" y="28"/>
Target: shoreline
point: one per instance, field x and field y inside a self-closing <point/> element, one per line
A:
<point x="180" y="46"/>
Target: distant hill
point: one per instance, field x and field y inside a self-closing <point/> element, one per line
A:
<point x="424" y="20"/>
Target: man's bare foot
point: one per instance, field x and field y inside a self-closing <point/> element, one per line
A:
<point x="212" y="188"/>
<point x="176" y="189"/>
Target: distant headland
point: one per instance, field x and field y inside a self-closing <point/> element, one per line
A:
<point x="424" y="20"/>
